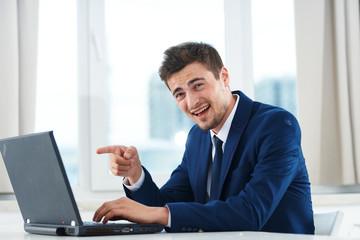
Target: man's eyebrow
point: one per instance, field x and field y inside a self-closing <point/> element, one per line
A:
<point x="195" y="80"/>
<point x="191" y="82"/>
<point x="176" y="90"/>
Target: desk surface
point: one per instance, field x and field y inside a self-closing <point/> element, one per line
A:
<point x="11" y="227"/>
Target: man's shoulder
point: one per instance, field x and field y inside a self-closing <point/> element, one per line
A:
<point x="249" y="111"/>
<point x="271" y="120"/>
<point x="265" y="112"/>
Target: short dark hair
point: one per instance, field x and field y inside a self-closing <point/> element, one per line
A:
<point x="178" y="57"/>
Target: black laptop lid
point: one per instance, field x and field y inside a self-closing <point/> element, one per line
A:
<point x="39" y="179"/>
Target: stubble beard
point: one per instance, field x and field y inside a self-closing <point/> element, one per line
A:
<point x="214" y="122"/>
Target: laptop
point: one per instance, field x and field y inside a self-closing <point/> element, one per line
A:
<point x="43" y="192"/>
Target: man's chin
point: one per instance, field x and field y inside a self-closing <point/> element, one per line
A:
<point x="203" y="128"/>
<point x="206" y="127"/>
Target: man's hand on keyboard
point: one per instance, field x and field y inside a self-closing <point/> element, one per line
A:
<point x="125" y="208"/>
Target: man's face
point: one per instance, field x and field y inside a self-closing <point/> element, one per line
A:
<point x="202" y="97"/>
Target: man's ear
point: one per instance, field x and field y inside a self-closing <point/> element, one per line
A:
<point x="224" y="76"/>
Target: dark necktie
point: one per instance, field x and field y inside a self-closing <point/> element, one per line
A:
<point x="216" y="169"/>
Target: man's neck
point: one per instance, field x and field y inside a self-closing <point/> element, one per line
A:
<point x="228" y="112"/>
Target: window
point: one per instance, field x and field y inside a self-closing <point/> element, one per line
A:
<point x="56" y="102"/>
<point x="274" y="59"/>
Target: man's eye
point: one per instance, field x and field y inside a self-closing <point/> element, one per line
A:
<point x="179" y="95"/>
<point x="198" y="85"/>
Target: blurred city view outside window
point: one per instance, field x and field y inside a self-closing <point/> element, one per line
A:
<point x="274" y="53"/>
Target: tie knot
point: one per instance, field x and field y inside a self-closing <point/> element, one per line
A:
<point x="218" y="143"/>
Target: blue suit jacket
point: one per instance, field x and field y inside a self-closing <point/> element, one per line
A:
<point x="264" y="181"/>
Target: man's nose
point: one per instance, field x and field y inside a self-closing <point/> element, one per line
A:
<point x="192" y="100"/>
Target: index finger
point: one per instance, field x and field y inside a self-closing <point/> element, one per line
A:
<point x="116" y="149"/>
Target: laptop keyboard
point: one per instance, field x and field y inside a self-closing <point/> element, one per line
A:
<point x="93" y="223"/>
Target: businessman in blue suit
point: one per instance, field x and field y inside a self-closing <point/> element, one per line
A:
<point x="243" y="167"/>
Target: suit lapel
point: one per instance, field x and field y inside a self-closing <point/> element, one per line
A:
<point x="238" y="125"/>
<point x="203" y="164"/>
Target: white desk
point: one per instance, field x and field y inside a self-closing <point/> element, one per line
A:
<point x="11" y="227"/>
<point x="180" y="236"/>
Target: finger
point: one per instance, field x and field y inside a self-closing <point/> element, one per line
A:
<point x="118" y="160"/>
<point x="103" y="210"/>
<point x="130" y="152"/>
<point x="117" y="172"/>
<point x="116" y="149"/>
<point x="113" y="214"/>
<point x="107" y="149"/>
<point x="119" y="163"/>
<point x="120" y="167"/>
<point x="97" y="216"/>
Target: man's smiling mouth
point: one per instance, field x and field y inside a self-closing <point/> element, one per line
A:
<point x="201" y="110"/>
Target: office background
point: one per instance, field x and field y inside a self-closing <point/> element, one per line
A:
<point x="87" y="70"/>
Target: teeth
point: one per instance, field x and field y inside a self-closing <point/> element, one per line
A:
<point x="201" y="110"/>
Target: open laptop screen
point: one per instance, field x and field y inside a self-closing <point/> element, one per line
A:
<point x="39" y="179"/>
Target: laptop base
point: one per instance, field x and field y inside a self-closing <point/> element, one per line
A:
<point x="95" y="230"/>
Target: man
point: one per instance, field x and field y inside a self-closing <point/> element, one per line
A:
<point x="253" y="179"/>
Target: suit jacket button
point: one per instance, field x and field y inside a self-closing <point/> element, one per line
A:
<point x="183" y="229"/>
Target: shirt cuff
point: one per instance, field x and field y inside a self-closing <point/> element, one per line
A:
<point x="136" y="185"/>
<point x="169" y="219"/>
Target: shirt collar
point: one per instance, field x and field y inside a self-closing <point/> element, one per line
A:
<point x="224" y="131"/>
